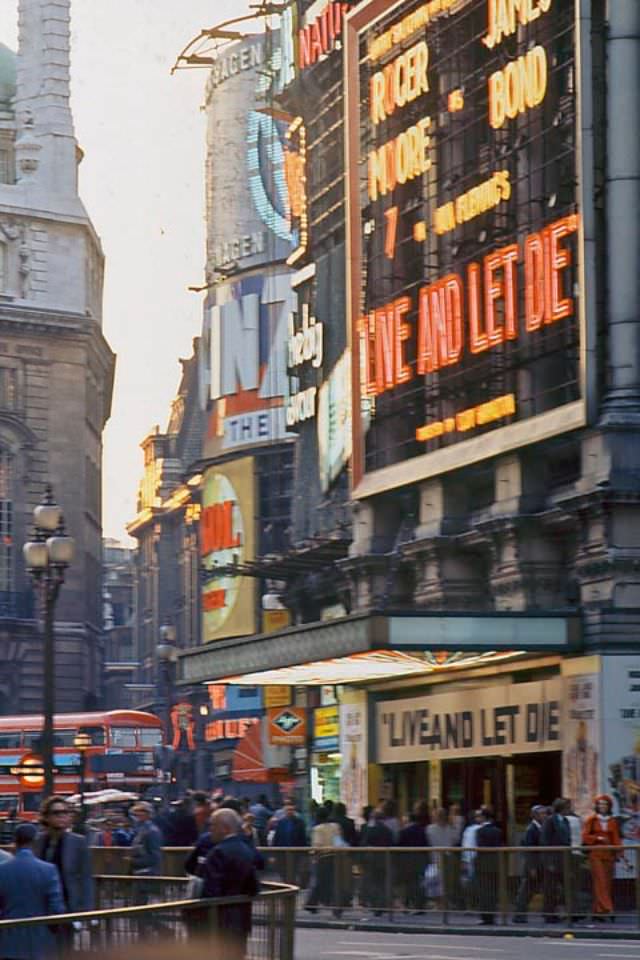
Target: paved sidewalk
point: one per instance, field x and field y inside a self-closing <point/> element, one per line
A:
<point x="432" y="923"/>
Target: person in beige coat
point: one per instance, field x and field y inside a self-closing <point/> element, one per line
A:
<point x="324" y="837"/>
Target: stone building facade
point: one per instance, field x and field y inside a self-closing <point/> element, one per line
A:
<point x="512" y="571"/>
<point x="120" y="665"/>
<point x="166" y="578"/>
<point x="56" y="368"/>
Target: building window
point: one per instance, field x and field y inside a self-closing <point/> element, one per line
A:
<point x="9" y="389"/>
<point x="7" y="171"/>
<point x="3" y="266"/>
<point x="6" y="521"/>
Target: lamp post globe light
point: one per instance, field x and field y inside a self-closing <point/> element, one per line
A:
<point x="166" y="653"/>
<point x="82" y="742"/>
<point x="46" y="558"/>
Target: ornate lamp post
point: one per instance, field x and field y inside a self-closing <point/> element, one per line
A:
<point x="166" y="653"/>
<point x="47" y="557"/>
<point x="82" y="742"/>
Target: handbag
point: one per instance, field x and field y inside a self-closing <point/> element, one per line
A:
<point x="195" y="886"/>
<point x="432" y="881"/>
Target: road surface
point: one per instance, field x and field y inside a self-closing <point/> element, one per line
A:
<point x="362" y="945"/>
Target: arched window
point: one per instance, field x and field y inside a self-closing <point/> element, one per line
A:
<point x="6" y="521"/>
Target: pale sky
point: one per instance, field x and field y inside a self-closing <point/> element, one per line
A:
<point x="142" y="181"/>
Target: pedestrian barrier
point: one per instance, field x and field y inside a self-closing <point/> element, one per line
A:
<point x="521" y="886"/>
<point x="455" y="886"/>
<point x="154" y="925"/>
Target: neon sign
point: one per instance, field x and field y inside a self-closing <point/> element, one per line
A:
<point x="320" y="37"/>
<point x="465" y="244"/>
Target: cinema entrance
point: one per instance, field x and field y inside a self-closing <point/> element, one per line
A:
<point x="495" y="742"/>
<point x="510" y="785"/>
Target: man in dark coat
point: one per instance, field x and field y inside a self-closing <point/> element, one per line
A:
<point x="556" y="832"/>
<point x="411" y="866"/>
<point x="181" y="829"/>
<point x="531" y="879"/>
<point x="375" y="880"/>
<point x="68" y="851"/>
<point x="229" y="871"/>
<point x="291" y="832"/>
<point x="487" y="865"/>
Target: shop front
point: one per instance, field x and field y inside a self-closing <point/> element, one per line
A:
<point x="326" y="757"/>
<point x="453" y="708"/>
<point x="491" y="741"/>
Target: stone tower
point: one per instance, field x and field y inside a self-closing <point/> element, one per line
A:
<point x="56" y="368"/>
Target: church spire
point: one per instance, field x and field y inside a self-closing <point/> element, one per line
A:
<point x="43" y="94"/>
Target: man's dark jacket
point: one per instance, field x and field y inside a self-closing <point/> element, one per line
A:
<point x="555" y="832"/>
<point x="532" y="861"/>
<point x="73" y="860"/>
<point x="488" y="835"/>
<point x="376" y="835"/>
<point x="181" y="829"/>
<point x="229" y="871"/>
<point x="290" y="832"/>
<point x="195" y="861"/>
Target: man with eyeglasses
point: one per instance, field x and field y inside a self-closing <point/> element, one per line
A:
<point x="68" y="851"/>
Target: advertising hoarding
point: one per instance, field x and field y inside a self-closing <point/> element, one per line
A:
<point x="621" y="745"/>
<point x="465" y="232"/>
<point x="287" y="726"/>
<point x="228" y="538"/>
<point x="246" y="326"/>
<point x="249" y="219"/>
<point x="581" y="734"/>
<point x="515" y="718"/>
<point x="326" y="728"/>
<point x="354" y="753"/>
<point x="278" y="695"/>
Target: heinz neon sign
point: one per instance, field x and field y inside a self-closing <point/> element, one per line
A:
<point x="466" y="308"/>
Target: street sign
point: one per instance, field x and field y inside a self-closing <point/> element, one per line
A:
<point x="113" y="763"/>
<point x="30" y="770"/>
<point x="287" y="726"/>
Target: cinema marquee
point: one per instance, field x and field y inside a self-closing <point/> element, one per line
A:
<point x="468" y="305"/>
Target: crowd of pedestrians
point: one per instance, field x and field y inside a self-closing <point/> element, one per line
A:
<point x="435" y="858"/>
<point x="455" y="864"/>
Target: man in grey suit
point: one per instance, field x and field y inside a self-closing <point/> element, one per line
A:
<point x="28" y="888"/>
<point x="146" y="848"/>
<point x="68" y="851"/>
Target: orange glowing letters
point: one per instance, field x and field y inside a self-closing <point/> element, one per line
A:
<point x="442" y="330"/>
<point x="440" y="324"/>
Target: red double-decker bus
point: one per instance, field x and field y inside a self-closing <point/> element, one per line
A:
<point x="122" y="753"/>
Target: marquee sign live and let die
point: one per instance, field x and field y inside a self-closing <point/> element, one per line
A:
<point x="464" y="225"/>
<point x="518" y="718"/>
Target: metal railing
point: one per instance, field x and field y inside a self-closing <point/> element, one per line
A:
<point x="453" y="886"/>
<point x="422" y="887"/>
<point x="141" y="921"/>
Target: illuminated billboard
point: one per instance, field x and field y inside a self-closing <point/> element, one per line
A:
<point x="466" y="302"/>
<point x="249" y="216"/>
<point x="227" y="538"/>
<point x="246" y="329"/>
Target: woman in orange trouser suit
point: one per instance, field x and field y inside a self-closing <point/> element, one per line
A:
<point x="601" y="830"/>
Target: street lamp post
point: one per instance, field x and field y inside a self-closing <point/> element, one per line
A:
<point x="47" y="557"/>
<point x="166" y="652"/>
<point x="82" y="742"/>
